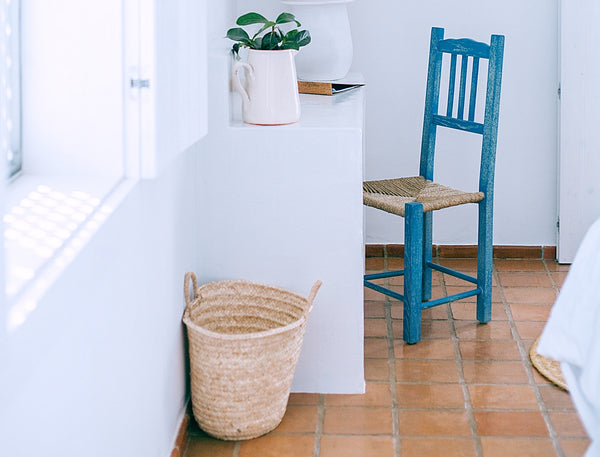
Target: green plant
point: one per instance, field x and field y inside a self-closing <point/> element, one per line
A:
<point x="272" y="37"/>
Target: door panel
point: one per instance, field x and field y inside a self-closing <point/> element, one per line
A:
<point x="579" y="156"/>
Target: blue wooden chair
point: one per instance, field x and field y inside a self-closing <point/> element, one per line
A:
<point x="414" y="198"/>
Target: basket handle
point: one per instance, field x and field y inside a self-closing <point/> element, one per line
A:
<point x="186" y="287"/>
<point x="313" y="293"/>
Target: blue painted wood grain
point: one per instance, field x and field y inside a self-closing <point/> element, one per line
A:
<point x="418" y="225"/>
<point x="427" y="255"/>
<point x="413" y="271"/>
<point x="465" y="46"/>
<point x="464" y="64"/>
<point x="486" y="178"/>
<point x="473" y="93"/>
<point x="451" y="85"/>
<point x="434" y="75"/>
<point x="458" y="124"/>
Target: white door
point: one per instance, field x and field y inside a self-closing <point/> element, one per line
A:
<point x="579" y="151"/>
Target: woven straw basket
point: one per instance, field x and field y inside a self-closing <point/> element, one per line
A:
<point x="244" y="343"/>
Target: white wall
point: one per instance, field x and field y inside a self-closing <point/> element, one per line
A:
<point x="98" y="368"/>
<point x="391" y="43"/>
<point x="273" y="219"/>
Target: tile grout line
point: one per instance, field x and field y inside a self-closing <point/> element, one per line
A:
<point x="545" y="407"/>
<point x="392" y="369"/>
<point x="529" y="370"/>
<point x="461" y="376"/>
<point x="392" y="380"/>
<point x="529" y="367"/>
<point x="515" y="336"/>
<point x="320" y="424"/>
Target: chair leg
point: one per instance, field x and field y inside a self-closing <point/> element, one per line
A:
<point x="427" y="254"/>
<point x="485" y="261"/>
<point x="413" y="271"/>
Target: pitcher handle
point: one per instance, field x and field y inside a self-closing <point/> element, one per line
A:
<point x="237" y="84"/>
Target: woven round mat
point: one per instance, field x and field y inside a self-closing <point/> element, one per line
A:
<point x="548" y="368"/>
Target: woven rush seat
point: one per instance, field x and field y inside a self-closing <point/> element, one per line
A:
<point x="391" y="195"/>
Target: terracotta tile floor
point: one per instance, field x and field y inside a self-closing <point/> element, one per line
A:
<point x="465" y="390"/>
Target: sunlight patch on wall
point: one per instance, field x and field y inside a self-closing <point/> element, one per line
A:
<point x="42" y="234"/>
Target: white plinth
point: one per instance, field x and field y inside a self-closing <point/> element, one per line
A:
<point x="283" y="206"/>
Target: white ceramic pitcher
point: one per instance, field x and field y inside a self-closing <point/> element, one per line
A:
<point x="270" y="93"/>
<point x="329" y="54"/>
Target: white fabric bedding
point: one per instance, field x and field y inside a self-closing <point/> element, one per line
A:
<point x="572" y="334"/>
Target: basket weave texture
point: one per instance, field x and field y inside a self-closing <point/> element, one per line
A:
<point x="548" y="368"/>
<point x="244" y="343"/>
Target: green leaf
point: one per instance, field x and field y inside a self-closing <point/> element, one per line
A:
<point x="270" y="41"/>
<point x="257" y="43"/>
<point x="284" y="18"/>
<point x="303" y="38"/>
<point x="236" y="51"/>
<point x="237" y="34"/>
<point x="290" y="45"/>
<point x="264" y="27"/>
<point x="290" y="41"/>
<point x="251" y="18"/>
<point x="291" y="35"/>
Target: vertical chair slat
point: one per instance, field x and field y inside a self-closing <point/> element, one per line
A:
<point x="473" y="95"/>
<point x="451" y="85"/>
<point x="463" y="87"/>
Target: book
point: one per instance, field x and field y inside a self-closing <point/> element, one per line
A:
<point x="325" y="87"/>
<point x="351" y="81"/>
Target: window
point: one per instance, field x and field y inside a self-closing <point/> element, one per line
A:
<point x="83" y="125"/>
<point x="10" y="85"/>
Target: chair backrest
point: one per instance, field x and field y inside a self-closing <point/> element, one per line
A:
<point x="462" y="117"/>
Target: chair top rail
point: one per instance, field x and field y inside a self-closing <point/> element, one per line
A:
<point x="465" y="46"/>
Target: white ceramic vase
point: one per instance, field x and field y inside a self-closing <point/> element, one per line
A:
<point x="270" y="92"/>
<point x="329" y="54"/>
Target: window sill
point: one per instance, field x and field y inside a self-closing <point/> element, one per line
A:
<point x="47" y="222"/>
